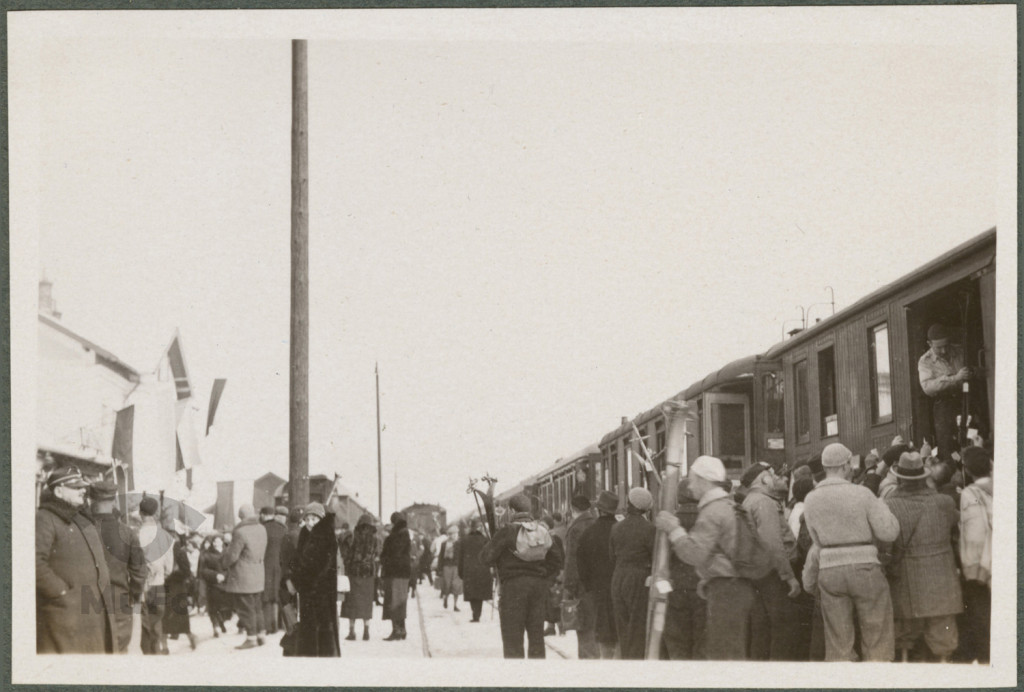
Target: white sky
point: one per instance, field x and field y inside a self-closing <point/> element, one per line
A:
<point x="536" y="226"/>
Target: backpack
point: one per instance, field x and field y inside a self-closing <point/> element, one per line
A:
<point x="532" y="541"/>
<point x="750" y="558"/>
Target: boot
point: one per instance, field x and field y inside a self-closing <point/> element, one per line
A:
<point x="366" y="631"/>
<point x="394" y="636"/>
<point x="444" y="601"/>
<point x="351" y="635"/>
<point x="249" y="643"/>
<point x="192" y="641"/>
<point x="261" y="638"/>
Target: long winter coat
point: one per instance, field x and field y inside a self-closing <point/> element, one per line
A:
<point x="477" y="584"/>
<point x="209" y="568"/>
<point x="289" y="543"/>
<point x="314" y="572"/>
<point x="272" y="560"/>
<point x="923" y="578"/>
<point x="70" y="559"/>
<point x="243" y="558"/>
<point x="178" y="587"/>
<point x="595" y="566"/>
<point x="125" y="561"/>
<point x="394" y="556"/>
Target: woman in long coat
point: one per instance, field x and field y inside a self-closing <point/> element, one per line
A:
<point x="360" y="553"/>
<point x="394" y="574"/>
<point x="218" y="603"/>
<point x="314" y="574"/>
<point x="926" y="596"/>
<point x="178" y="589"/>
<point x="477" y="582"/>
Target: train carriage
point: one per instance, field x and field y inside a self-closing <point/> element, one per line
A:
<point x="853" y="377"/>
<point x="850" y="378"/>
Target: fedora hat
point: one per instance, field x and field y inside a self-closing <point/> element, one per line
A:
<point x="910" y="467"/>
<point x="607" y="502"/>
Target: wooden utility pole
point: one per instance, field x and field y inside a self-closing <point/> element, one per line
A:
<point x="380" y="483"/>
<point x="298" y="411"/>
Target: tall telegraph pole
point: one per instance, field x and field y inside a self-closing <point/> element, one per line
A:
<point x="380" y="484"/>
<point x="298" y="411"/>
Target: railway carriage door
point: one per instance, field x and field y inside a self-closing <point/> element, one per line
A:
<point x="726" y="430"/>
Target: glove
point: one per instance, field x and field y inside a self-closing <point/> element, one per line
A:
<point x="666" y="521"/>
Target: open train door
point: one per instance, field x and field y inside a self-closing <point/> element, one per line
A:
<point x="726" y="430"/>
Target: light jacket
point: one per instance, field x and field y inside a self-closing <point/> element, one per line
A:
<point x="712" y="539"/>
<point x="976" y="531"/>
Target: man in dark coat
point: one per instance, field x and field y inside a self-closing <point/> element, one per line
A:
<point x="477" y="583"/>
<point x="582" y="517"/>
<point x="395" y="568"/>
<point x="289" y="542"/>
<point x="271" y="567"/>
<point x="524" y="584"/>
<point x="125" y="561"/>
<point x="73" y="614"/>
<point x="314" y="575"/>
<point x="923" y="577"/>
<point x="631" y="548"/>
<point x="595" y="567"/>
<point x="243" y="560"/>
<point x="685" y="617"/>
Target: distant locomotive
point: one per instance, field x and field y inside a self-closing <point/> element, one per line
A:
<point x="851" y="378"/>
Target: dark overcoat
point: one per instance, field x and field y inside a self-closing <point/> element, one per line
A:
<point x="73" y="612"/>
<point x="314" y="572"/>
<point x="595" y="567"/>
<point x="477" y="583"/>
<point x="272" y="561"/>
<point x="243" y="558"/>
<point x="127" y="566"/>
<point x="923" y="575"/>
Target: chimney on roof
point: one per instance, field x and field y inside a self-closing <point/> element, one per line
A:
<point x="47" y="305"/>
<point x="625" y="421"/>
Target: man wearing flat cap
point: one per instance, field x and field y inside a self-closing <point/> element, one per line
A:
<point x="125" y="560"/>
<point x="941" y="371"/>
<point x="243" y="561"/>
<point x="72" y="578"/>
<point x="777" y="637"/>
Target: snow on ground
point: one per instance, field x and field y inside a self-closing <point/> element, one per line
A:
<point x="453" y="635"/>
<point x="449" y="634"/>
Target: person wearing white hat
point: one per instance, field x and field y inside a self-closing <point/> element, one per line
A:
<point x="845" y="522"/>
<point x="730" y="598"/>
<point x="631" y="548"/>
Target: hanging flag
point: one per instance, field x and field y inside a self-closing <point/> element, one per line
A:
<point x="172" y="367"/>
<point x="121" y="450"/>
<point x="218" y="389"/>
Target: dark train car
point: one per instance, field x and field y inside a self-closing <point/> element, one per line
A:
<point x="852" y="378"/>
<point x="574" y="474"/>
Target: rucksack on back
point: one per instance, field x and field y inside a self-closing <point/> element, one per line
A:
<point x="532" y="541"/>
<point x="750" y="558"/>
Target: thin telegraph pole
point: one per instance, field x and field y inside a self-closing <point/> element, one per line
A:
<point x="298" y="410"/>
<point x="380" y="483"/>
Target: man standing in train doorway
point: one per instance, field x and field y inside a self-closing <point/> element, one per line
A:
<point x="942" y="372"/>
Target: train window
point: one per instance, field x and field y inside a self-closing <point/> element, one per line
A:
<point x="827" y="392"/>
<point x="659" y="445"/>
<point x="774" y="409"/>
<point x="803" y="416"/>
<point x="881" y="374"/>
<point x="627" y="462"/>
